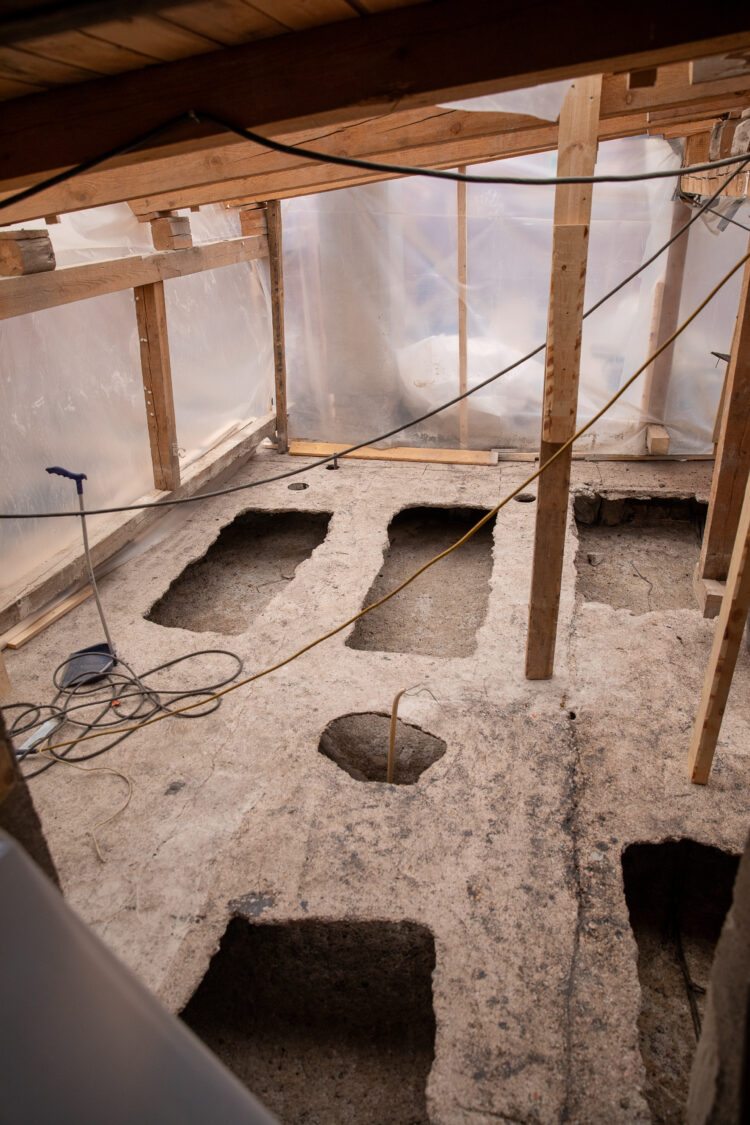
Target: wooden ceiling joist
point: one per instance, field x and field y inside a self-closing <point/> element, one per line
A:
<point x="407" y="57"/>
<point x="428" y="136"/>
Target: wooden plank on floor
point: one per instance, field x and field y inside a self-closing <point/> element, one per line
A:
<point x="729" y="630"/>
<point x="275" y="260"/>
<point x="579" y="122"/>
<point x="156" y="370"/>
<point x="732" y="452"/>
<point x="38" y="622"/>
<point x="5" y="689"/>
<point x="397" y="453"/>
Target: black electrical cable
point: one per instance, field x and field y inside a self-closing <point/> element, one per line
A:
<point x="198" y="117"/>
<point x="119" y="695"/>
<point x="447" y="174"/>
<point x="397" y="429"/>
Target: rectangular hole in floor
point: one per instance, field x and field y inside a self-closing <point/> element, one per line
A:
<point x="439" y="614"/>
<point x="678" y="894"/>
<point x="638" y="554"/>
<point x="324" y="1021"/>
<point x="249" y="562"/>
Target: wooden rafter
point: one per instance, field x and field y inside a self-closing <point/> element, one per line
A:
<point x="408" y="57"/>
<point x="238" y="168"/>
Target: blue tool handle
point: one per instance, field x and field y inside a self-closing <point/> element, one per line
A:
<point x="79" y="478"/>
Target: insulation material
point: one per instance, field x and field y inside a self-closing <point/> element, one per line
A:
<point x="71" y="389"/>
<point x="372" y="307"/>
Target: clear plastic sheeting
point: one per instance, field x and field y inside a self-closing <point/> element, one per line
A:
<point x="543" y="101"/>
<point x="221" y="350"/>
<point x="70" y="394"/>
<point x="71" y="391"/>
<point x="372" y="307"/>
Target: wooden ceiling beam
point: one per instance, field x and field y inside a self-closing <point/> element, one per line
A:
<point x="407" y="57"/>
<point x="671" y="100"/>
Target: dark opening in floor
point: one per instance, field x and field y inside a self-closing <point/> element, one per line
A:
<point x="678" y="894"/>
<point x="359" y="745"/>
<point x="638" y="554"/>
<point x="439" y="613"/>
<point x="249" y="562"/>
<point x="325" y="1022"/>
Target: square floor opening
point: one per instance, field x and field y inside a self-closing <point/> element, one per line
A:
<point x="251" y="560"/>
<point x="326" y="1022"/>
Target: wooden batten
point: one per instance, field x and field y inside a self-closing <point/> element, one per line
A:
<point x="20" y="295"/>
<point x="463" y="342"/>
<point x="706" y="183"/>
<point x="579" y="122"/>
<point x="732" y="466"/>
<point x="722" y="661"/>
<point x="25" y="252"/>
<point x="156" y="369"/>
<point x="664" y="321"/>
<point x="273" y="215"/>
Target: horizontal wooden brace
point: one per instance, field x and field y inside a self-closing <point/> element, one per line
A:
<point x="20" y="295"/>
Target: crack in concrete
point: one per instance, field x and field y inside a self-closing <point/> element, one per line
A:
<point x="571" y="829"/>
<point x="509" y="1118"/>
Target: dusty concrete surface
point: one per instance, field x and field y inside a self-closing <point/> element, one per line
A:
<point x="508" y="849"/>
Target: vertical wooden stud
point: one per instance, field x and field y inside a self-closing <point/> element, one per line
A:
<point x="579" y="122"/>
<point x="463" y="363"/>
<point x="667" y="296"/>
<point x="721" y="664"/>
<point x="273" y="212"/>
<point x="151" y="315"/>
<point x="732" y="453"/>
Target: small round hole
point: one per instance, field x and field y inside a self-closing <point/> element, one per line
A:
<point x="298" y="485"/>
<point x="525" y="498"/>
<point x="572" y="714"/>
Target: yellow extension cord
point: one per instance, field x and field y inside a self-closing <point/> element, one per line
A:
<point x="407" y="581"/>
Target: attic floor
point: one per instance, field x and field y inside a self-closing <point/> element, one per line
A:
<point x="507" y="849"/>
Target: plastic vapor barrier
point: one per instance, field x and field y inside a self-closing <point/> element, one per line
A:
<point x="372" y="307"/>
<point x="71" y="391"/>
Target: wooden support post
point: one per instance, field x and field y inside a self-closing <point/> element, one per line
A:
<point x="463" y="359"/>
<point x="579" y="121"/>
<point x="273" y="216"/>
<point x="721" y="664"/>
<point x="667" y="296"/>
<point x="157" y="383"/>
<point x="25" y="251"/>
<point x="732" y="453"/>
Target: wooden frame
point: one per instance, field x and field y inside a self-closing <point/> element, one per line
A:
<point x="727" y="638"/>
<point x="732" y="467"/>
<point x="151" y="315"/>
<point x="273" y="215"/>
<point x="233" y="168"/>
<point x="20" y="295"/>
<point x="576" y="157"/>
<point x="408" y="56"/>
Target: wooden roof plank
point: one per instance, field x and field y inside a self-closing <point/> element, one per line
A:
<point x="411" y="56"/>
